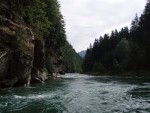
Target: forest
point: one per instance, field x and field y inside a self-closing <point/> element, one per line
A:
<point x="127" y="50"/>
<point x="33" y="42"/>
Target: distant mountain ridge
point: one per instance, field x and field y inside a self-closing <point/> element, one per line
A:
<point x="82" y="53"/>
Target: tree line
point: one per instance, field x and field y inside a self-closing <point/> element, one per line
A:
<point x="47" y="23"/>
<point x="122" y="51"/>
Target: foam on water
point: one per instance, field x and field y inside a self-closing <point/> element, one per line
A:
<point x="34" y="96"/>
<point x="76" y="93"/>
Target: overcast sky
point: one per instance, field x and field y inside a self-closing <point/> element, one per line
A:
<point x="88" y="19"/>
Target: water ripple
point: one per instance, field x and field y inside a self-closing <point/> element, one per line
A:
<point x="76" y="93"/>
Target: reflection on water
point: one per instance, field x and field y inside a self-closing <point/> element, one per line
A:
<point x="76" y="93"/>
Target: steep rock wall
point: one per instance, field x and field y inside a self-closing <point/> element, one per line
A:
<point x="39" y="72"/>
<point x="25" y="57"/>
<point x="16" y="53"/>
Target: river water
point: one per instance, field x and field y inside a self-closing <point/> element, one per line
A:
<point x="76" y="93"/>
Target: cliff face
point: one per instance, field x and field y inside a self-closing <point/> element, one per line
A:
<point x="32" y="42"/>
<point x="38" y="70"/>
<point x="22" y="57"/>
<point x="22" y="52"/>
<point x="16" y="53"/>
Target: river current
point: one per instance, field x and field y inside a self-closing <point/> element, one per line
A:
<point x="77" y="93"/>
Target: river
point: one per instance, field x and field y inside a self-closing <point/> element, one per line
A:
<point x="76" y="93"/>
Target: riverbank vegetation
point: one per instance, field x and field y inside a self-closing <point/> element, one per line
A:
<point x="72" y="60"/>
<point x="124" y="51"/>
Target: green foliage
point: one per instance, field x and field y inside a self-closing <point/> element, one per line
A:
<point x="57" y="30"/>
<point x="31" y="11"/>
<point x="72" y="60"/>
<point x="127" y="50"/>
<point x="105" y="51"/>
<point x="47" y="23"/>
<point x="121" y="50"/>
<point x="34" y="14"/>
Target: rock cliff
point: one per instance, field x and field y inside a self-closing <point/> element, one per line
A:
<point x="22" y="51"/>
<point x="16" y="53"/>
<point x="32" y="42"/>
<point x="22" y="57"/>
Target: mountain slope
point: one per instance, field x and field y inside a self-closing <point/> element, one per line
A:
<point x="82" y="53"/>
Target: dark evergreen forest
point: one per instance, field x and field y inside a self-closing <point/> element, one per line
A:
<point x="127" y="50"/>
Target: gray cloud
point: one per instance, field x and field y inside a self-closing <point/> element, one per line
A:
<point x="88" y="19"/>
